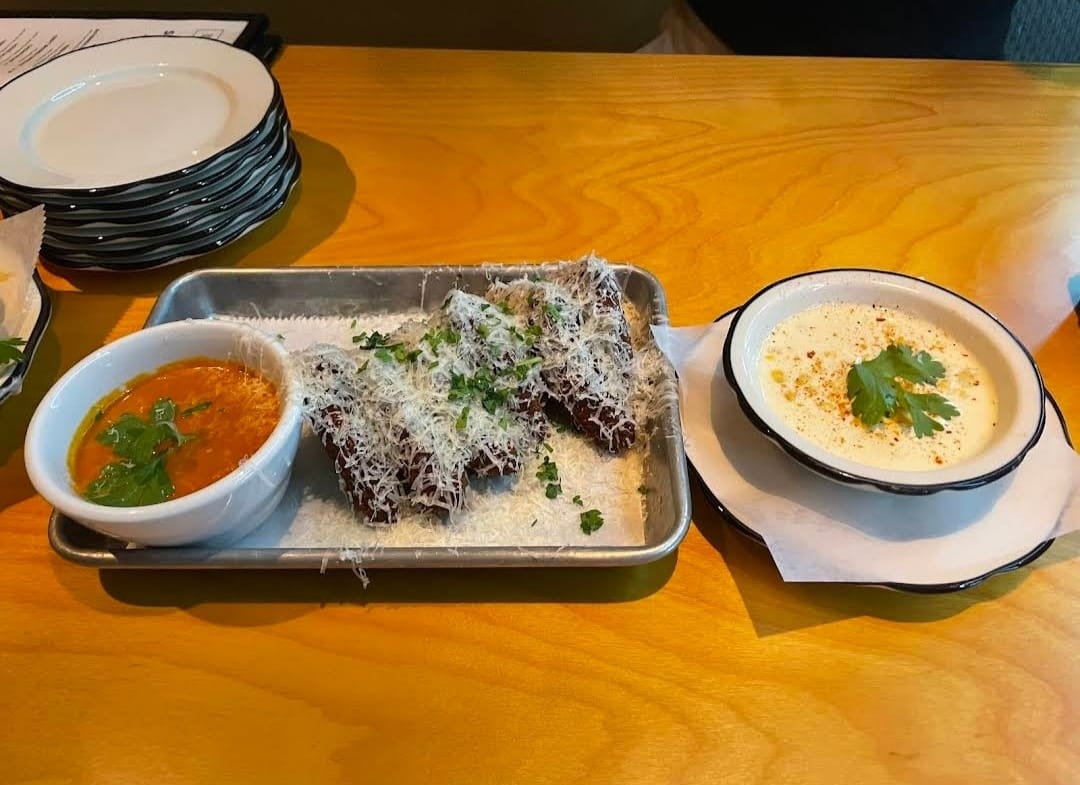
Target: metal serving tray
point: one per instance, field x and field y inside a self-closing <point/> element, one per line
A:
<point x="353" y="291"/>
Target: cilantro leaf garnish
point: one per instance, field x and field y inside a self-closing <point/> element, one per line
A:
<point x="548" y="473"/>
<point x="875" y="393"/>
<point x="462" y="420"/>
<point x="128" y="484"/>
<point x="459" y="387"/>
<point x="10" y="352"/>
<point x="140" y="440"/>
<point x="372" y="341"/>
<point x="385" y="350"/>
<point x="403" y="354"/>
<point x="438" y="337"/>
<point x="493" y="399"/>
<point x="522" y="368"/>
<point x="482" y="386"/>
<point x="591" y="520"/>
<point x="577" y="500"/>
<point x="142" y="445"/>
<point x="532" y="334"/>
<point x="923" y="408"/>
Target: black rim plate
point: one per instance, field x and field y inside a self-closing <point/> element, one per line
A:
<point x="273" y="205"/>
<point x="899" y="488"/>
<point x="193" y="170"/>
<point x="913" y="588"/>
<point x="13" y="383"/>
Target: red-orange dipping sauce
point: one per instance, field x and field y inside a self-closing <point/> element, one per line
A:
<point x="223" y="412"/>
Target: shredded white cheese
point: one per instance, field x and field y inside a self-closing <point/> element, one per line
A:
<point x="406" y="440"/>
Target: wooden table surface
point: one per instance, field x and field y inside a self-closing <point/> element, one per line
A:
<point x="719" y="175"/>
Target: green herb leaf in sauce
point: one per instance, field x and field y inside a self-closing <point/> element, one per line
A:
<point x="591" y="520"/>
<point x="876" y="394"/>
<point x="142" y="445"/>
<point x="10" y="351"/>
<point x="129" y="484"/>
<point x="201" y="406"/>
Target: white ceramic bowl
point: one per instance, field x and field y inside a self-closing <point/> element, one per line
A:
<point x="1021" y="411"/>
<point x="223" y="511"/>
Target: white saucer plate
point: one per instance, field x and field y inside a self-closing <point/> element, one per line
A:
<point x="118" y="113"/>
<point x="944" y="542"/>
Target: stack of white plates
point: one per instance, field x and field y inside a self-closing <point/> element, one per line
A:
<point x="145" y="151"/>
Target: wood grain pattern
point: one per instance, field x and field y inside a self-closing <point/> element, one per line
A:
<point x="719" y="175"/>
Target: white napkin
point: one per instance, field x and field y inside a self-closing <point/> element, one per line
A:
<point x="818" y="530"/>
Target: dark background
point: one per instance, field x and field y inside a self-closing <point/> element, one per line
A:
<point x="1027" y="30"/>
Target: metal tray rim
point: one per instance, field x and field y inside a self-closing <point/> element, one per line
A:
<point x="397" y="557"/>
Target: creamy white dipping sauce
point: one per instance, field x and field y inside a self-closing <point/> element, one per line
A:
<point x="804" y="366"/>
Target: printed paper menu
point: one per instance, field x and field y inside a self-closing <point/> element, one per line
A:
<point x="26" y="43"/>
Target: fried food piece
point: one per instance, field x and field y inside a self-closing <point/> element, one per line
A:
<point x="584" y="340"/>
<point x="367" y="472"/>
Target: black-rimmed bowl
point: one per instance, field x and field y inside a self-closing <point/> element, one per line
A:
<point x="1019" y="386"/>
